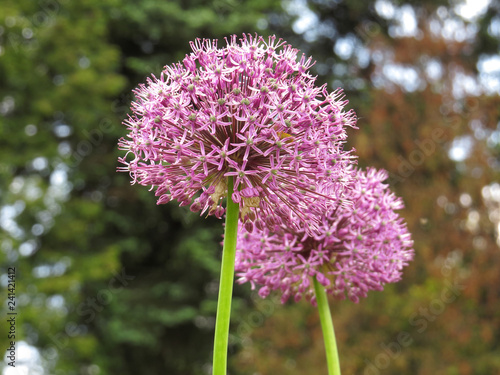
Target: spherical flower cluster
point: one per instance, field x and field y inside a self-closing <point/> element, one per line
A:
<point x="249" y="110"/>
<point x="358" y="248"/>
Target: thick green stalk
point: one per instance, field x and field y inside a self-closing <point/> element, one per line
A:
<point x="226" y="284"/>
<point x="332" y="355"/>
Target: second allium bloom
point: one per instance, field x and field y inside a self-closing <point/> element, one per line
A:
<point x="358" y="247"/>
<point x="249" y="110"/>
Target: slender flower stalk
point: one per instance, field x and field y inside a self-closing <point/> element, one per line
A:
<point x="332" y="355"/>
<point x="226" y="285"/>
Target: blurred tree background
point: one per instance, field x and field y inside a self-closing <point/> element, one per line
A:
<point x="110" y="283"/>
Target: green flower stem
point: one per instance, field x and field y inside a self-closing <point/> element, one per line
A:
<point x="332" y="355"/>
<point x="226" y="284"/>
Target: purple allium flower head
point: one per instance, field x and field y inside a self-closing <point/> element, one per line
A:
<point x="358" y="248"/>
<point x="249" y="110"/>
